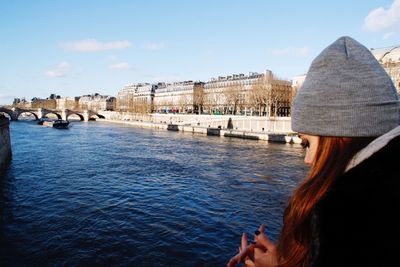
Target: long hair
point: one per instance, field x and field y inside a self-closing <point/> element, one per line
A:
<point x="332" y="156"/>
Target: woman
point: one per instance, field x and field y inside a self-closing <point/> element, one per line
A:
<point x="345" y="212"/>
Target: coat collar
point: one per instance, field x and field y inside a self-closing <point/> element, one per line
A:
<point x="373" y="147"/>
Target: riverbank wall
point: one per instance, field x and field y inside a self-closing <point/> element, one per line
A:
<point x="257" y="128"/>
<point x="5" y="144"/>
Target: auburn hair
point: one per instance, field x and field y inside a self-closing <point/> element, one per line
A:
<point x="332" y="156"/>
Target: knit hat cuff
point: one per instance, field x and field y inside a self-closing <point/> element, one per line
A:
<point x="356" y="120"/>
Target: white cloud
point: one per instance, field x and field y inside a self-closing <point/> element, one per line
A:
<point x="291" y="51"/>
<point x="389" y="35"/>
<point x="60" y="70"/>
<point x="6" y="99"/>
<point x="92" y="45"/>
<point x="64" y="65"/>
<point x="113" y="57"/>
<point x="2" y="97"/>
<point x="120" y="66"/>
<point x="381" y="19"/>
<point x="154" y="46"/>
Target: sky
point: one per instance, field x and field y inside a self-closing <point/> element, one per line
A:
<point x="75" y="47"/>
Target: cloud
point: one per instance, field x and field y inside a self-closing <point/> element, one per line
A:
<point x="389" y="35"/>
<point x="60" y="70"/>
<point x="92" y="45"/>
<point x="2" y="97"/>
<point x="6" y="99"/>
<point x="120" y="66"/>
<point x="154" y="46"/>
<point x="291" y="51"/>
<point x="113" y="57"/>
<point x="381" y="19"/>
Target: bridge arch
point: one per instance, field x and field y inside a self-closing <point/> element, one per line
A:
<point x="75" y="113"/>
<point x="38" y="113"/>
<point x="9" y="112"/>
<point x="47" y="112"/>
<point x="94" y="115"/>
<point x="20" y="112"/>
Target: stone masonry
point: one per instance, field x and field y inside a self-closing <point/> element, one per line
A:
<point x="5" y="144"/>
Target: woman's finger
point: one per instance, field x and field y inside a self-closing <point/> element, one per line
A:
<point x="263" y="240"/>
<point x="238" y="258"/>
<point x="244" y="241"/>
<point x="249" y="263"/>
<point x="262" y="228"/>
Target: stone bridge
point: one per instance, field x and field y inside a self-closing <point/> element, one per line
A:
<point x="38" y="113"/>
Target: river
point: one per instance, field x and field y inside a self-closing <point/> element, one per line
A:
<point x="104" y="194"/>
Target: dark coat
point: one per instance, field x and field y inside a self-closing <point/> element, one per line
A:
<point x="357" y="221"/>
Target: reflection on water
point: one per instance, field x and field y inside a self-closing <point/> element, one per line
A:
<point x="106" y="194"/>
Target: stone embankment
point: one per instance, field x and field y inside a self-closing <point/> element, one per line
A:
<point x="257" y="128"/>
<point x="5" y="144"/>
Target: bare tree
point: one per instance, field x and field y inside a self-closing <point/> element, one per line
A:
<point x="280" y="97"/>
<point x="234" y="97"/>
<point x="211" y="101"/>
<point x="139" y="106"/>
<point x="122" y="102"/>
<point x="183" y="103"/>
<point x="271" y="96"/>
<point x="259" y="96"/>
<point x="198" y="98"/>
<point x="131" y="101"/>
<point x="255" y="100"/>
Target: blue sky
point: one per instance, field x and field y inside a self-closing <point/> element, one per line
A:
<point x="73" y="47"/>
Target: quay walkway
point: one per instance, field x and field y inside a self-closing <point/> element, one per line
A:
<point x="246" y="127"/>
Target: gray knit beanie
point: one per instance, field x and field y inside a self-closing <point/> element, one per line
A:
<point x="346" y="93"/>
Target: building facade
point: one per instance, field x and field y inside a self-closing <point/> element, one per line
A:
<point x="255" y="94"/>
<point x="136" y="97"/>
<point x="175" y="97"/>
<point x="389" y="58"/>
<point x="43" y="103"/>
<point x="67" y="103"/>
<point x="260" y="94"/>
<point x="97" y="102"/>
<point x="227" y="94"/>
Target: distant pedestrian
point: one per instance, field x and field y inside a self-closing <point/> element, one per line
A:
<point x="345" y="212"/>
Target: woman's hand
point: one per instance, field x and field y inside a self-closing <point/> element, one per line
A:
<point x="261" y="253"/>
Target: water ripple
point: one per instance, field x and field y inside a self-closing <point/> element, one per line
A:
<point x="112" y="195"/>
